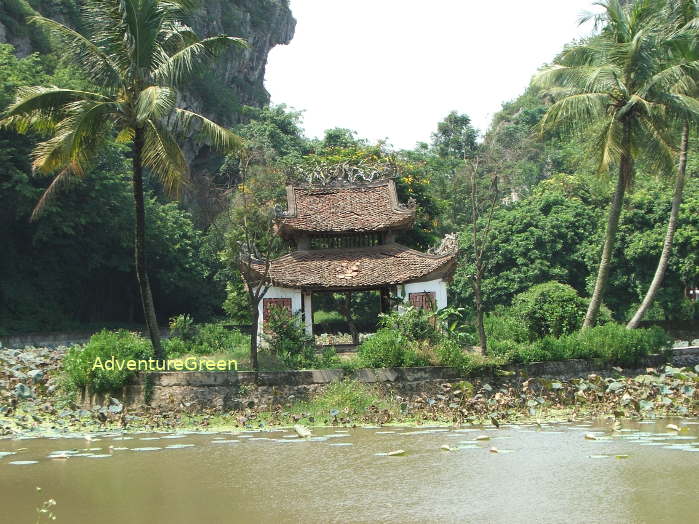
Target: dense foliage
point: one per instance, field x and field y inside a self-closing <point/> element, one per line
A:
<point x="550" y="308"/>
<point x="73" y="267"/>
<point x="79" y="365"/>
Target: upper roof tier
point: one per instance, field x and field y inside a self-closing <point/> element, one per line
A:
<point x="344" y="209"/>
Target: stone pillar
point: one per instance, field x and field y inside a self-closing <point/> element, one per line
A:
<point x="308" y="313"/>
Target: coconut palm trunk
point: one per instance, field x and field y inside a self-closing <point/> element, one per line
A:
<point x="623" y="178"/>
<point x="140" y="246"/>
<point x="671" y="228"/>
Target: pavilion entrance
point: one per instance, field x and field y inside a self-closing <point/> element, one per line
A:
<point x="345" y="318"/>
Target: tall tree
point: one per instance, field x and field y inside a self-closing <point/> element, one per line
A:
<point x="481" y="240"/>
<point x="607" y="84"/>
<point x="455" y="137"/>
<point x="136" y="52"/>
<point x="251" y="239"/>
<point x="680" y="80"/>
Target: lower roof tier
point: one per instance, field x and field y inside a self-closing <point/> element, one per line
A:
<point x="359" y="268"/>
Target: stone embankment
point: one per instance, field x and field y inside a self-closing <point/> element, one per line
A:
<point x="236" y="390"/>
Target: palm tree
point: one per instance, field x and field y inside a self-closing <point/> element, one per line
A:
<point x="683" y="54"/>
<point x="137" y="52"/>
<point x="608" y="85"/>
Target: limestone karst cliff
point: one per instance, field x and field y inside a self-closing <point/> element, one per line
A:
<point x="233" y="80"/>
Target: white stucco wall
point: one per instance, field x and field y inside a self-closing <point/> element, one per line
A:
<point x="438" y="286"/>
<point x="278" y="292"/>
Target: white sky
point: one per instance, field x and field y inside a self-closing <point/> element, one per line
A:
<point x="394" y="68"/>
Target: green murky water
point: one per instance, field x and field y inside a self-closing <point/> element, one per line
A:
<point x="643" y="473"/>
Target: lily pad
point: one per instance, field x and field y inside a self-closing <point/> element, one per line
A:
<point x="145" y="449"/>
<point x="179" y="446"/>
<point x="23" y="462"/>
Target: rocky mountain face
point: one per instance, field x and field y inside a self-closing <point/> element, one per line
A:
<point x="233" y="80"/>
<point x="229" y="82"/>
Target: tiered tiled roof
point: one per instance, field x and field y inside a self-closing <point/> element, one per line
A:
<point x="359" y="268"/>
<point x="359" y="208"/>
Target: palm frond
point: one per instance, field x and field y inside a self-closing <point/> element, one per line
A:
<point x="125" y="135"/>
<point x="164" y="158"/>
<point x="683" y="105"/>
<point x="218" y="137"/>
<point x="680" y="77"/>
<point x="60" y="181"/>
<point x="154" y="102"/>
<point x="655" y="145"/>
<point x="97" y="64"/>
<point x="38" y="108"/>
<point x="78" y="139"/>
<point x="576" y="111"/>
<point x="180" y="64"/>
<point x="608" y="144"/>
<point x="584" y="78"/>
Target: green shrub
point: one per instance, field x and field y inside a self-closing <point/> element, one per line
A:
<point x="121" y="344"/>
<point x="413" y="324"/>
<point x="551" y="308"/>
<point x="616" y="344"/>
<point x="205" y="339"/>
<point x="384" y="349"/>
<point x="182" y="326"/>
<point x="612" y="343"/>
<point x="501" y="325"/>
<point x="456" y="327"/>
<point x="450" y="354"/>
<point x="175" y="347"/>
<point x="419" y="354"/>
<point x="217" y="338"/>
<point x="328" y="358"/>
<point x="287" y="339"/>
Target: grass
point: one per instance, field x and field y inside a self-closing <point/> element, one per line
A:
<point x="348" y="398"/>
<point x="611" y="343"/>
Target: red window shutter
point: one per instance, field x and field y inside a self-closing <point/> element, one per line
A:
<point x="426" y="300"/>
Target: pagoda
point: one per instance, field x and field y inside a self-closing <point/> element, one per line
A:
<point x="345" y="239"/>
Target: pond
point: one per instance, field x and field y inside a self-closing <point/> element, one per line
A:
<point x="574" y="472"/>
